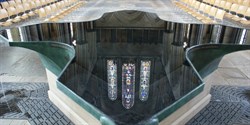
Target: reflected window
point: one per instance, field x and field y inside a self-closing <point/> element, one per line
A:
<point x="128" y="84"/>
<point x="112" y="79"/>
<point x="144" y="80"/>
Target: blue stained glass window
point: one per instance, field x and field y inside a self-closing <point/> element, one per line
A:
<point x="128" y="85"/>
<point x="144" y="80"/>
<point x="112" y="79"/>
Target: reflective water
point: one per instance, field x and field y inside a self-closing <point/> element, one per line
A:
<point x="9" y="98"/>
<point x="133" y="91"/>
<point x="170" y="78"/>
<point x="128" y="94"/>
<point x="4" y="104"/>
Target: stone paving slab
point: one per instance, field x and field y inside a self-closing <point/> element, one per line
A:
<point x="21" y="65"/>
<point x="234" y="70"/>
<point x="230" y="105"/>
<point x="30" y="101"/>
<point x="14" y="122"/>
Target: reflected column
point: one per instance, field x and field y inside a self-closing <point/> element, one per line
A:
<point x="238" y="35"/>
<point x="173" y="42"/>
<point x="216" y="34"/>
<point x="64" y="33"/>
<point x="177" y="50"/>
<point x="15" y="34"/>
<point x="4" y="33"/>
<point x="168" y="37"/>
<point x="91" y="40"/>
<point x="179" y="34"/>
<point x="44" y="32"/>
<point x="30" y="33"/>
<point x="195" y="34"/>
<point x="49" y="32"/>
<point x="247" y="40"/>
<point x="81" y="46"/>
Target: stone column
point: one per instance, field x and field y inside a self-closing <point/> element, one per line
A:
<point x="15" y="34"/>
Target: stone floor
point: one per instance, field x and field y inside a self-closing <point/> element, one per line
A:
<point x="24" y="83"/>
<point x="14" y="122"/>
<point x="230" y="103"/>
<point x="30" y="101"/>
<point x="20" y="65"/>
<point x="234" y="70"/>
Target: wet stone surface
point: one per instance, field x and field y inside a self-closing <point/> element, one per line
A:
<point x="229" y="105"/>
<point x="8" y="100"/>
<point x="30" y="101"/>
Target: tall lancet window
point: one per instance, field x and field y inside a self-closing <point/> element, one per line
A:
<point x="128" y="84"/>
<point x="144" y="80"/>
<point x="112" y="79"/>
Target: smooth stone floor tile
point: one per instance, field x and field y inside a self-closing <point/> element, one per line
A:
<point x="231" y="73"/>
<point x="21" y="65"/>
<point x="225" y="62"/>
<point x="13" y="122"/>
<point x="5" y="121"/>
<point x="245" y="70"/>
<point x="234" y="70"/>
<point x="18" y="122"/>
<point x="215" y="78"/>
<point x="238" y="60"/>
<point x="238" y="82"/>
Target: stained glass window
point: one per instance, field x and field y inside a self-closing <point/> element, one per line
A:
<point x="128" y="84"/>
<point x="112" y="79"/>
<point x="144" y="80"/>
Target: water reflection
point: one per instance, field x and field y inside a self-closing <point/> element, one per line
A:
<point x="112" y="79"/>
<point x="129" y="39"/>
<point x="169" y="78"/>
<point x="87" y="76"/>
